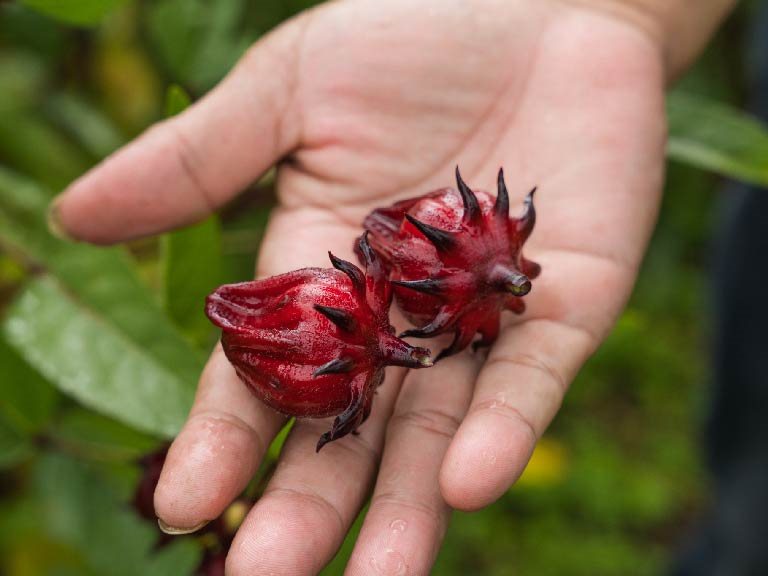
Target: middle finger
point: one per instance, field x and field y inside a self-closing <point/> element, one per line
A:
<point x="312" y="499"/>
<point x="408" y="517"/>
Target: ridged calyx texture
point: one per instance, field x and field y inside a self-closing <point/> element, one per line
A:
<point x="314" y="342"/>
<point x="455" y="260"/>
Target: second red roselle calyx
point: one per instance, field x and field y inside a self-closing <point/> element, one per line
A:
<point x="314" y="342"/>
<point x="455" y="258"/>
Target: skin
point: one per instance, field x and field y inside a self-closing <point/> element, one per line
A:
<point x="367" y="103"/>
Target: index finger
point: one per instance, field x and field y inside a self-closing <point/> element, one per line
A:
<point x="216" y="453"/>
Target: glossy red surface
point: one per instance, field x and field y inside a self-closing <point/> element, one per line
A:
<point x="314" y="342"/>
<point x="455" y="257"/>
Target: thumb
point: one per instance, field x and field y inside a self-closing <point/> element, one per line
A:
<point x="183" y="168"/>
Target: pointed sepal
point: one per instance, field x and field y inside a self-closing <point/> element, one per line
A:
<point x="430" y="286"/>
<point x="471" y="205"/>
<point x="501" y="208"/>
<point x="355" y="274"/>
<point x="350" y="419"/>
<point x="343" y="319"/>
<point x="461" y="339"/>
<point x="441" y="322"/>
<point x="377" y="287"/>
<point x="441" y="239"/>
<point x="527" y="221"/>
<point x="337" y="366"/>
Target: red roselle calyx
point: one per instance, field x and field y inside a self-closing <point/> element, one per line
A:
<point x="314" y="342"/>
<point x="455" y="259"/>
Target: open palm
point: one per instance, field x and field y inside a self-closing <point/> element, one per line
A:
<point x="366" y="103"/>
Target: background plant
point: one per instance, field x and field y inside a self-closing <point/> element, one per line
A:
<point x="100" y="348"/>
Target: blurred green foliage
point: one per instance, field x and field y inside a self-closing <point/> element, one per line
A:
<point x="186" y="280"/>
<point x="611" y="489"/>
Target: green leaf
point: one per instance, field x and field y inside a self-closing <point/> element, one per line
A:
<point x="80" y="510"/>
<point x="11" y="272"/>
<point x="190" y="260"/>
<point x="23" y="77"/>
<point x="99" y="292"/>
<point x="97" y="437"/>
<point x="181" y="557"/>
<point x="191" y="270"/>
<point x="88" y="357"/>
<point x="176" y="100"/>
<point x="78" y="12"/>
<point x="27" y="400"/>
<point x="197" y="41"/>
<point x="276" y="447"/>
<point x="88" y="125"/>
<point x="716" y="137"/>
<point x="31" y="145"/>
<point x="14" y="447"/>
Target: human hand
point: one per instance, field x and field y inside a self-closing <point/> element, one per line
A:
<point x="370" y="102"/>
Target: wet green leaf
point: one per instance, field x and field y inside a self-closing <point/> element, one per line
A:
<point x="90" y="358"/>
<point x="717" y="137"/>
<point x="98" y="292"/>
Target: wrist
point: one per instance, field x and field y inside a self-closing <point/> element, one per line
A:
<point x="680" y="28"/>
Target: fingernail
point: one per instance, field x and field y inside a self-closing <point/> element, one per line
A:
<point x="173" y="531"/>
<point x="55" y="226"/>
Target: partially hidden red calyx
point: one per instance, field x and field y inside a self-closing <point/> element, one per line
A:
<point x="314" y="342"/>
<point x="455" y="260"/>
